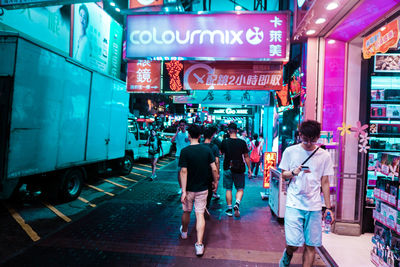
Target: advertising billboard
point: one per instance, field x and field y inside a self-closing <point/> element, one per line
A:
<point x="144" y="76"/>
<point x="232" y="76"/>
<point x="145" y="3"/>
<point x="232" y="36"/>
<point x="50" y="25"/>
<point x="97" y="39"/>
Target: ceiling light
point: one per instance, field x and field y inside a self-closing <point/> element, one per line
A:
<point x="112" y="4"/>
<point x="331" y="41"/>
<point x="320" y="21"/>
<point x="383" y="28"/>
<point x="117" y="9"/>
<point x="332" y="6"/>
<point x="238" y="8"/>
<point x="310" y="32"/>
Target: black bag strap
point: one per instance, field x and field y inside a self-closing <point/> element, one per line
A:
<point x="304" y="162"/>
<point x="312" y="154"/>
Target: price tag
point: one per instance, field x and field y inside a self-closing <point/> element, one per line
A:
<point x="375" y="214"/>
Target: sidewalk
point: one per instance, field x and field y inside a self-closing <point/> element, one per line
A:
<point x="141" y="228"/>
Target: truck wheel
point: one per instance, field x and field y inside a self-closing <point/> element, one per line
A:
<point x="71" y="184"/>
<point x="126" y="165"/>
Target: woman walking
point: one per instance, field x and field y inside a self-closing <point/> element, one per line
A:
<point x="154" y="143"/>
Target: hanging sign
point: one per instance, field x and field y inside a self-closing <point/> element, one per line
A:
<point x="269" y="162"/>
<point x="144" y="76"/>
<point x="381" y="40"/>
<point x="145" y="3"/>
<point x="230" y="111"/>
<point x="239" y="36"/>
<point x="234" y="97"/>
<point x="232" y="76"/>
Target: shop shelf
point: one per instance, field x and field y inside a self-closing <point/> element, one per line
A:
<point x="392" y="102"/>
<point x="390" y="135"/>
<point x="384" y="119"/>
<point x="382" y="150"/>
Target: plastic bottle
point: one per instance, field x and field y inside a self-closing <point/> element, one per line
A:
<point x="328" y="221"/>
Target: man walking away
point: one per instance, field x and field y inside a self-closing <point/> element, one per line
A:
<point x="182" y="140"/>
<point x="212" y="192"/>
<point x="194" y="162"/>
<point x="303" y="203"/>
<point x="235" y="154"/>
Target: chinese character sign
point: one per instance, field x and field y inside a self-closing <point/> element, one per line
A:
<point x="172" y="82"/>
<point x="144" y="76"/>
<point x="269" y="162"/>
<point x="232" y="76"/>
<point x="242" y="36"/>
<point x="381" y="40"/>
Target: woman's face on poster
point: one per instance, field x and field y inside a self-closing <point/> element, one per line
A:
<point x="84" y="19"/>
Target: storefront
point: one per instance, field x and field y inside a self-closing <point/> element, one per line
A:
<point x="357" y="99"/>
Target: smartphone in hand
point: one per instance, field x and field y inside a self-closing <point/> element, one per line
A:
<point x="305" y="168"/>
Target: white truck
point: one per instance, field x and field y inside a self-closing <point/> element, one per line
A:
<point x="59" y="120"/>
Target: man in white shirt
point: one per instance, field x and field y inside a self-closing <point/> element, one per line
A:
<point x="303" y="203"/>
<point x="181" y="138"/>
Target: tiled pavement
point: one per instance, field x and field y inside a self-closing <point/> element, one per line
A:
<point x="140" y="227"/>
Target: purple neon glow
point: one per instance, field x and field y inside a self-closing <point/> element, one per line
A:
<point x="332" y="115"/>
<point x="245" y="35"/>
<point x="361" y="18"/>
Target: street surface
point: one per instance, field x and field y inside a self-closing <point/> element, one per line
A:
<point x="133" y="221"/>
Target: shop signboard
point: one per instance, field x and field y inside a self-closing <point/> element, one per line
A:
<point x="230" y="97"/>
<point x="50" y="25"/>
<point x="381" y="40"/>
<point x="20" y="4"/>
<point x="232" y="76"/>
<point x="97" y="39"/>
<point x="172" y="82"/>
<point x="230" y="111"/>
<point x="256" y="36"/>
<point x="387" y="63"/>
<point x="145" y="3"/>
<point x="269" y="162"/>
<point x="144" y="76"/>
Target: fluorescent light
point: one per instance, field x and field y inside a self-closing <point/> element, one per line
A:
<point x="331" y="41"/>
<point x="117" y="9"/>
<point x="310" y="32"/>
<point x="237" y="8"/>
<point x="332" y="6"/>
<point x="320" y="21"/>
<point x="112" y="4"/>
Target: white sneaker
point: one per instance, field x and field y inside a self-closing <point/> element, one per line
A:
<point x="199" y="249"/>
<point x="183" y="234"/>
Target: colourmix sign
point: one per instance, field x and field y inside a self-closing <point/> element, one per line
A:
<point x="240" y="36"/>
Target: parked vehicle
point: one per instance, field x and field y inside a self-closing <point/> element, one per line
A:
<point x="59" y="121"/>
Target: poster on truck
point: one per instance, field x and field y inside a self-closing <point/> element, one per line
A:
<point x="97" y="41"/>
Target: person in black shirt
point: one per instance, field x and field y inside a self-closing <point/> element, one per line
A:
<point x="194" y="162"/>
<point x="236" y="154"/>
<point x="212" y="192"/>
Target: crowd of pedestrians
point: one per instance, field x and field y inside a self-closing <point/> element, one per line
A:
<point x="304" y="166"/>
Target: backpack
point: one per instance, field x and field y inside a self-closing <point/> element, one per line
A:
<point x="255" y="154"/>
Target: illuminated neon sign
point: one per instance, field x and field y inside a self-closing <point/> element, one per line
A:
<point x="269" y="162"/>
<point x="174" y="69"/>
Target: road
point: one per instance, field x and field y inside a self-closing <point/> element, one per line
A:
<point x="133" y="221"/>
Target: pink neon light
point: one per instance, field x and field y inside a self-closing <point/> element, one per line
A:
<point x="333" y="86"/>
<point x="364" y="15"/>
